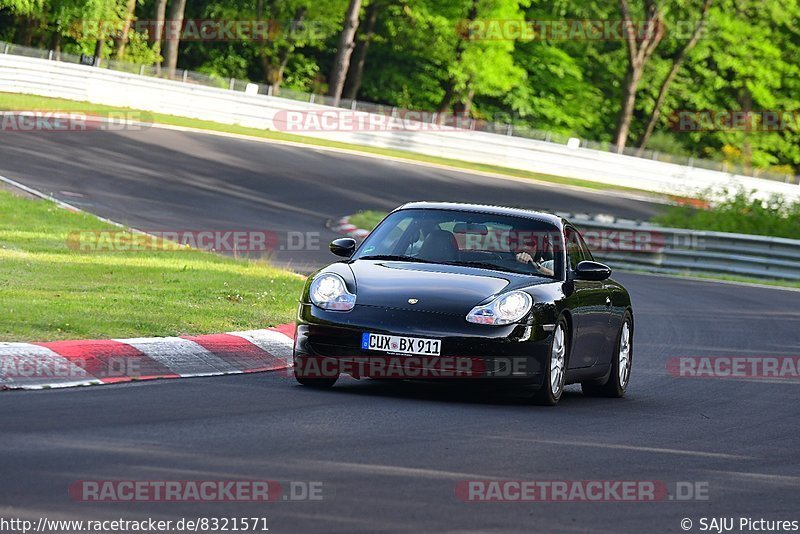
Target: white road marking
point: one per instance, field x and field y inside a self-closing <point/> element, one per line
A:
<point x="682" y="452"/>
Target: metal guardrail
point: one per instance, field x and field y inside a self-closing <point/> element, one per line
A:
<point x="479" y="125"/>
<point x="642" y="246"/>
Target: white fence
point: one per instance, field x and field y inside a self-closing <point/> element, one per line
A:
<point x="101" y="86"/>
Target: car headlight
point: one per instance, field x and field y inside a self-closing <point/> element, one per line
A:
<point x="329" y="292"/>
<point x="505" y="309"/>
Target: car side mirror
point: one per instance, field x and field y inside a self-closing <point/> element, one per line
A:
<point x="592" y="270"/>
<point x="343" y="247"/>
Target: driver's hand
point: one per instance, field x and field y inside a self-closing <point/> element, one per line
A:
<point x="524" y="257"/>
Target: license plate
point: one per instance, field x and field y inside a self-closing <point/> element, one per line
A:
<point x="401" y="344"/>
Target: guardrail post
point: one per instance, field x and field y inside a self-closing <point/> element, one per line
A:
<point x="50" y="55"/>
<point x="141" y="70"/>
<point x="270" y="90"/>
<point x="311" y="99"/>
<point x="5" y="49"/>
<point x="185" y="75"/>
<point x="231" y="84"/>
<point x="353" y="106"/>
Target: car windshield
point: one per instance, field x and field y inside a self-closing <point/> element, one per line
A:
<point x="498" y="242"/>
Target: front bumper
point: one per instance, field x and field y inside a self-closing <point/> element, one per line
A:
<point x="329" y="343"/>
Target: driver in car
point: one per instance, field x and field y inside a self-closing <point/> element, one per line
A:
<point x="526" y="245"/>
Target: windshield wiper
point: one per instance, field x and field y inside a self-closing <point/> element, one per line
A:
<point x="392" y="257"/>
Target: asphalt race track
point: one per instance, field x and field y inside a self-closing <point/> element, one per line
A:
<point x="390" y="455"/>
<point x="166" y="180"/>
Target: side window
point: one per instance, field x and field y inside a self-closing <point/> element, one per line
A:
<point x="587" y="254"/>
<point x="575" y="254"/>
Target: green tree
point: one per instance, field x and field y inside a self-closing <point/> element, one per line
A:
<point x="748" y="63"/>
<point x="347" y="43"/>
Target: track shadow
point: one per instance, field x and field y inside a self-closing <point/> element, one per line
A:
<point x="443" y="391"/>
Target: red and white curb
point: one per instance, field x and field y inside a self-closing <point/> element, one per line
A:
<point x="344" y="227"/>
<point x="92" y="362"/>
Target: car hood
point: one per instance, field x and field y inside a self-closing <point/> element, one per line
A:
<point x="437" y="288"/>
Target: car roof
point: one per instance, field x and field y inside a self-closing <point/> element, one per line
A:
<point x="484" y="208"/>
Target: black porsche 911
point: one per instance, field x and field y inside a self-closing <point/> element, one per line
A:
<point x="462" y="291"/>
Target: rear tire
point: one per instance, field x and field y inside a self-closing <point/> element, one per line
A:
<point x="620" y="374"/>
<point x="555" y="372"/>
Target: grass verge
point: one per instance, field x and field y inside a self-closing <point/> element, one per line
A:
<point x="367" y="219"/>
<point x="50" y="291"/>
<point x="20" y="102"/>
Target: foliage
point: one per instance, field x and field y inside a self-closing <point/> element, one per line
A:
<point x="667" y="143"/>
<point x="738" y="211"/>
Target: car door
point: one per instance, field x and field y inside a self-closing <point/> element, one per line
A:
<point x="590" y="304"/>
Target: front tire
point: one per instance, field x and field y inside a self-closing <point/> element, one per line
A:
<point x="313" y="378"/>
<point x="555" y="372"/>
<point x="316" y="383"/>
<point x="620" y="374"/>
